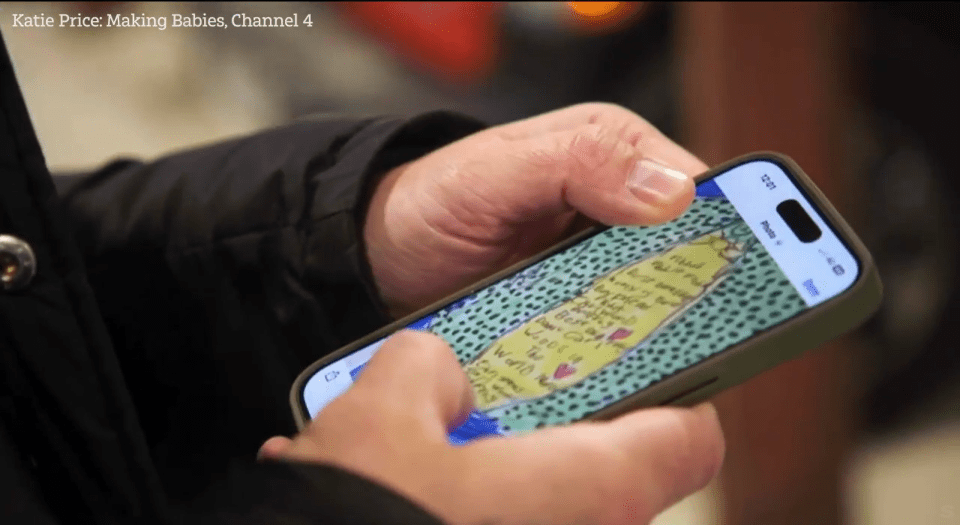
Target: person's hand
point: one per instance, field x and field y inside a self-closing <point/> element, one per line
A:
<point x="391" y="426"/>
<point x="459" y="214"/>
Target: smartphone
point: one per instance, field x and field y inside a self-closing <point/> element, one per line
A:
<point x="759" y="269"/>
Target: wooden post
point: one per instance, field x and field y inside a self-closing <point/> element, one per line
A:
<point x="771" y="76"/>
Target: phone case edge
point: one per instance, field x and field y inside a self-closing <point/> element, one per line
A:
<point x="732" y="366"/>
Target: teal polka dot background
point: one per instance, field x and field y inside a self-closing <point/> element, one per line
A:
<point x="754" y="296"/>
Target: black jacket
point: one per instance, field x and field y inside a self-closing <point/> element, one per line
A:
<point x="173" y="305"/>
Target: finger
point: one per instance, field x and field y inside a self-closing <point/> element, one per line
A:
<point x="670" y="452"/>
<point x="623" y="471"/>
<point x="274" y="448"/>
<point x="418" y="373"/>
<point x="623" y="123"/>
<point x="594" y="172"/>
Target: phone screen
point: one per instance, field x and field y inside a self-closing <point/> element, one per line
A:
<point x="630" y="306"/>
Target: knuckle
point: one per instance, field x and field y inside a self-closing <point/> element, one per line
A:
<point x="591" y="146"/>
<point x="620" y="121"/>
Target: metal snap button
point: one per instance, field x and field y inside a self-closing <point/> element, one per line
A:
<point x="18" y="265"/>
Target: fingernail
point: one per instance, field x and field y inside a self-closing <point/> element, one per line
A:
<point x="654" y="183"/>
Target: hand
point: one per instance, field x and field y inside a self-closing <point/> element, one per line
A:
<point x="392" y="426"/>
<point x="459" y="214"/>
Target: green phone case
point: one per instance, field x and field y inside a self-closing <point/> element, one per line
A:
<point x="734" y="365"/>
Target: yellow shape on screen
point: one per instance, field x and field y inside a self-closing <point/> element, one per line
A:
<point x="574" y="340"/>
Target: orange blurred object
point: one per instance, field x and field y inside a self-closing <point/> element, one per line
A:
<point x="604" y="17"/>
<point x="455" y="41"/>
<point x="593" y="9"/>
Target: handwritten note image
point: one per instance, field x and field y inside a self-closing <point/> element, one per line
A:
<point x="614" y="315"/>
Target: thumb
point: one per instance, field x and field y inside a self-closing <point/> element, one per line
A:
<point x="602" y="176"/>
<point x="274" y="448"/>
<point x="421" y="372"/>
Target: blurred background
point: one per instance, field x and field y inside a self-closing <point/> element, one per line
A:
<point x="865" y="430"/>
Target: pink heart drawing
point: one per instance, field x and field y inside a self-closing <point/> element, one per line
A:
<point x="622" y="333"/>
<point x="563" y="371"/>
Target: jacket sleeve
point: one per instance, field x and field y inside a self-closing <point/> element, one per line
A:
<point x="221" y="272"/>
<point x="300" y="493"/>
<point x="282" y="207"/>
